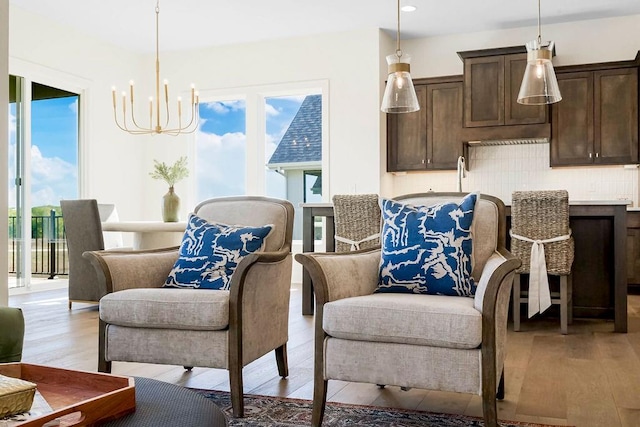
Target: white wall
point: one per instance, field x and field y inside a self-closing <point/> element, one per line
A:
<point x="4" y="145"/>
<point x="603" y="40"/>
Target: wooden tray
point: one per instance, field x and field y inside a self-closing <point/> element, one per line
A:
<point x="78" y="398"/>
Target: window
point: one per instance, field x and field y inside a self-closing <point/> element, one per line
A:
<point x="267" y="140"/>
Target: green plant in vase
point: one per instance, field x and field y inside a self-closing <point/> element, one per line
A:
<point x="171" y="175"/>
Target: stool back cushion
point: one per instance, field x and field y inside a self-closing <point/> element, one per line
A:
<point x="542" y="215"/>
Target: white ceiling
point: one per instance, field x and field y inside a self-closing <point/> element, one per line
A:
<point x="198" y="23"/>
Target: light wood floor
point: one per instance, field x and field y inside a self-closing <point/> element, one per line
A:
<point x="590" y="377"/>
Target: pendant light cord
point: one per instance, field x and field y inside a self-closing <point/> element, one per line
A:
<point x="539" y="36"/>
<point x="398" y="50"/>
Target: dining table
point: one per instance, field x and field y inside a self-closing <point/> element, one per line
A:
<point x="149" y="234"/>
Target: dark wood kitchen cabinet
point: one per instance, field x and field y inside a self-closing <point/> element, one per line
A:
<point x="492" y="79"/>
<point x="428" y="139"/>
<point x="633" y="250"/>
<point x="596" y="123"/>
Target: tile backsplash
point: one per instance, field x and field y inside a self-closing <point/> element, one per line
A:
<point x="500" y="170"/>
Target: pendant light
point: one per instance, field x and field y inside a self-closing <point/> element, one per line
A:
<point x="539" y="84"/>
<point x="399" y="95"/>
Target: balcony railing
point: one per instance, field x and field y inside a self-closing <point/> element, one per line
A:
<point x="49" y="254"/>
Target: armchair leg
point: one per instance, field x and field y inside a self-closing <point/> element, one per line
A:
<point x="103" y="364"/>
<point x="319" y="401"/>
<point x="235" y="382"/>
<point x="281" y="360"/>
<point x="489" y="409"/>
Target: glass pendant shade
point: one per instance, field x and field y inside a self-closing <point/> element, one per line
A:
<point x="399" y="95"/>
<point x="539" y="85"/>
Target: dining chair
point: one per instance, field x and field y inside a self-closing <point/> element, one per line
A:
<point x="357" y="221"/>
<point x="83" y="229"/>
<point x="541" y="238"/>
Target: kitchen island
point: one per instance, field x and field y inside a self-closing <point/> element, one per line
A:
<point x="599" y="271"/>
<point x="599" y="268"/>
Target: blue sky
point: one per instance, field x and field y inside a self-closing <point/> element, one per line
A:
<point x="54" y="158"/>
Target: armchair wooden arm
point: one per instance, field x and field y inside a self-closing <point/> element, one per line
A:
<point x="494" y="299"/>
<point x="342" y="275"/>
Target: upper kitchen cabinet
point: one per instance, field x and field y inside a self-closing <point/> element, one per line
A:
<point x="597" y="120"/>
<point x="492" y="80"/>
<point x="428" y="139"/>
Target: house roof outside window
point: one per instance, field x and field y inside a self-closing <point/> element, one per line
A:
<point x="301" y="144"/>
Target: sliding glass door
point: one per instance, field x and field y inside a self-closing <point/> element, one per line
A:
<point x="43" y="169"/>
<point x="16" y="211"/>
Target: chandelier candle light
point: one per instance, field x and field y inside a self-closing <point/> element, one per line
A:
<point x="399" y="95"/>
<point x="189" y="127"/>
<point x="539" y="84"/>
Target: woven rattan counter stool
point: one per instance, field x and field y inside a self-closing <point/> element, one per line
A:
<point x="357" y="221"/>
<point x="541" y="238"/>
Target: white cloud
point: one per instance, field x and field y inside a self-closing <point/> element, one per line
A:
<point x="74" y="105"/>
<point x="12" y="126"/>
<point x="220" y="164"/>
<point x="297" y="98"/>
<point x="52" y="179"/>
<point x="270" y="110"/>
<point x="224" y="107"/>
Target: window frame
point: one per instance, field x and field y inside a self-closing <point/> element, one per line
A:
<point x="255" y="116"/>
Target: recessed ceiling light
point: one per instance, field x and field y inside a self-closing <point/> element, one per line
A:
<point x="408" y="8"/>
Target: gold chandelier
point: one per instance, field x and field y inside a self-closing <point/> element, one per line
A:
<point x="136" y="129"/>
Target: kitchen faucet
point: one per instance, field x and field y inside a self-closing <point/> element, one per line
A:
<point x="461" y="173"/>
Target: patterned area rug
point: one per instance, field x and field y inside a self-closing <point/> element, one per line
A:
<point x="267" y="411"/>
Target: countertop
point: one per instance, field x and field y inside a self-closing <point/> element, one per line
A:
<point x="601" y="202"/>
<point x="571" y="202"/>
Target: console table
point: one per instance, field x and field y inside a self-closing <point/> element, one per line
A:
<point x="600" y="265"/>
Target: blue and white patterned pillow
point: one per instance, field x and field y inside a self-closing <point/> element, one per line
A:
<point x="427" y="249"/>
<point x="210" y="253"/>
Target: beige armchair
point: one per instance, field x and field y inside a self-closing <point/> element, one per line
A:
<point x="436" y="342"/>
<point x="142" y="322"/>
